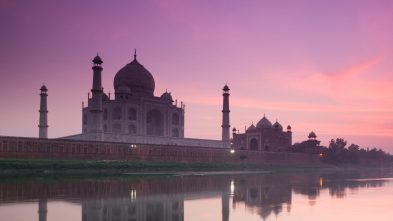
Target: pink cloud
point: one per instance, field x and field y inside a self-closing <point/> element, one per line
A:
<point x="353" y="70"/>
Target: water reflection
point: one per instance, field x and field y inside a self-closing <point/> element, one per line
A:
<point x="162" y="198"/>
<point x="266" y="194"/>
<point x="159" y="207"/>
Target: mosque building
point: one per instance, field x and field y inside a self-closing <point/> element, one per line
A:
<point x="265" y="136"/>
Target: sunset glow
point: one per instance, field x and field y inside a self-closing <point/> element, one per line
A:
<point x="316" y="65"/>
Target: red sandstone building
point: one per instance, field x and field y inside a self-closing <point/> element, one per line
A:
<point x="265" y="136"/>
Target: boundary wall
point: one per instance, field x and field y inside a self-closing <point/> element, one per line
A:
<point x="22" y="147"/>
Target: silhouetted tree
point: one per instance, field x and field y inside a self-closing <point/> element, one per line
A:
<point x="337" y="145"/>
<point x="337" y="154"/>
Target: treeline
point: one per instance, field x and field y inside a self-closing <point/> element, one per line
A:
<point x="338" y="153"/>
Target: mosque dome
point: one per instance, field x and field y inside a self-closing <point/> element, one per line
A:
<point x="252" y="127"/>
<point x="136" y="77"/>
<point x="277" y="126"/>
<point x="264" y="123"/>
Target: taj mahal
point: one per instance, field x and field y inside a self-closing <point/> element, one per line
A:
<point x="136" y="115"/>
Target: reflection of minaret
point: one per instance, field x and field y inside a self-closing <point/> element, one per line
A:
<point x="43" y="124"/>
<point x="225" y="117"/>
<point x="96" y="103"/>
<point x="225" y="205"/>
<point x="42" y="209"/>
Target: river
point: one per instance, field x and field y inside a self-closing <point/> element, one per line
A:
<point x="329" y="195"/>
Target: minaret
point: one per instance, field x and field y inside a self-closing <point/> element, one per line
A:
<point x="42" y="209"/>
<point x="43" y="124"/>
<point x="96" y="99"/>
<point x="225" y="118"/>
<point x="225" y="205"/>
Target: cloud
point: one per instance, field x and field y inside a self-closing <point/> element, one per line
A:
<point x="353" y="70"/>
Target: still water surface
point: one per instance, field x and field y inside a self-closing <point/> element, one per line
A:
<point x="273" y="196"/>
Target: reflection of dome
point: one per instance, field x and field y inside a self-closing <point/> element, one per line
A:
<point x="136" y="77"/>
<point x="167" y="96"/>
<point x="312" y="135"/>
<point x="277" y="125"/>
<point x="264" y="123"/>
<point x="251" y="127"/>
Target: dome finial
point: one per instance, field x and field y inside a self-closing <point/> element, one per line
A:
<point x="135" y="54"/>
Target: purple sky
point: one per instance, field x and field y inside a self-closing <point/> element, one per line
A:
<point x="317" y="65"/>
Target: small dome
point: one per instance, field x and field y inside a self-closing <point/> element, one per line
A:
<point x="252" y="127"/>
<point x="136" y="77"/>
<point x="105" y="97"/>
<point x="167" y="96"/>
<point x="264" y="123"/>
<point x="43" y="88"/>
<point x="289" y="127"/>
<point x="97" y="60"/>
<point x="123" y="90"/>
<point x="277" y="126"/>
<point x="312" y="135"/>
<point x="226" y="88"/>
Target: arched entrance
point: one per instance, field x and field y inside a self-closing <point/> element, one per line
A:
<point x="154" y="123"/>
<point x="254" y="144"/>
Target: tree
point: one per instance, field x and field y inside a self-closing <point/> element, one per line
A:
<point x="337" y="154"/>
<point x="337" y="145"/>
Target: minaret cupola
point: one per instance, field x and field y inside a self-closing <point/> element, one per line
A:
<point x="97" y="61"/>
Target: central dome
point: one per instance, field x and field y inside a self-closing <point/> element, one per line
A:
<point x="136" y="77"/>
<point x="264" y="123"/>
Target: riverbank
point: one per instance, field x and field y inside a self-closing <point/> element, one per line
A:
<point x="56" y="166"/>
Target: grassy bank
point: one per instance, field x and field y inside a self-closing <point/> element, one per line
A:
<point x="28" y="166"/>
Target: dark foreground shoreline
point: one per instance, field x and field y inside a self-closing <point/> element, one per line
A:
<point x="10" y="167"/>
